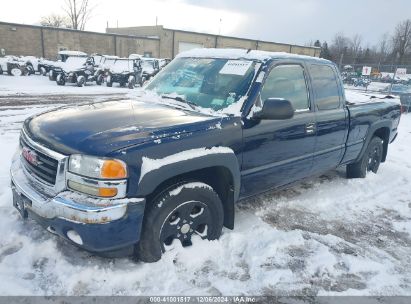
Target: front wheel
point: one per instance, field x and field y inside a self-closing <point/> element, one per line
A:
<point x="81" y="80"/>
<point x="60" y="80"/>
<point x="370" y="161"/>
<point x="109" y="81"/>
<point x="16" y="72"/>
<point x="43" y="71"/>
<point x="178" y="214"/>
<point x="131" y="82"/>
<point x="99" y="79"/>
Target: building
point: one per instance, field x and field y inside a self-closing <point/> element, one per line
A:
<point x="155" y="41"/>
<point x="172" y="41"/>
<point x="46" y="42"/>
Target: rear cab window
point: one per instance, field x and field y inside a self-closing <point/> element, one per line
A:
<point x="325" y="87"/>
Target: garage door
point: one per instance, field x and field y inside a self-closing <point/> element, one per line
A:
<point x="186" y="46"/>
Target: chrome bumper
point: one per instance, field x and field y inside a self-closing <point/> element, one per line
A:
<point x="66" y="205"/>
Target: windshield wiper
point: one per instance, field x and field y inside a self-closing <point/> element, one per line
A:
<point x="180" y="99"/>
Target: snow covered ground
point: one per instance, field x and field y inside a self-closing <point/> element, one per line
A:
<point x="36" y="84"/>
<point x="327" y="235"/>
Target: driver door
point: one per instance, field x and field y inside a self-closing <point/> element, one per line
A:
<point x="278" y="152"/>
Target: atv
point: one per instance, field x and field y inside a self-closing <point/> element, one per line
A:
<point x="106" y="62"/>
<point x="150" y="66"/>
<point x="125" y="71"/>
<point x="63" y="57"/>
<point x="79" y="74"/>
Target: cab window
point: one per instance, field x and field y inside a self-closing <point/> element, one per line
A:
<point x="287" y="82"/>
<point x="325" y="87"/>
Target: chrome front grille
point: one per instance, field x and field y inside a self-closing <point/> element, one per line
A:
<point x="45" y="168"/>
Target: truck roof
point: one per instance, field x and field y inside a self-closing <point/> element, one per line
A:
<point x="244" y="54"/>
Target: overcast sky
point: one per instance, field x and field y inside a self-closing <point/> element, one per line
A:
<point x="289" y="21"/>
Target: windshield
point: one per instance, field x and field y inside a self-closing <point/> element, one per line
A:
<point x="205" y="82"/>
<point x="121" y="66"/>
<point x="73" y="63"/>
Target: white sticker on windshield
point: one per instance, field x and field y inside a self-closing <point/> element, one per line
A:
<point x="236" y="67"/>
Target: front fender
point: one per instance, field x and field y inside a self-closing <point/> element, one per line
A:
<point x="156" y="171"/>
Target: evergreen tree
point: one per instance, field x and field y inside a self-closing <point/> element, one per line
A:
<point x="325" y="52"/>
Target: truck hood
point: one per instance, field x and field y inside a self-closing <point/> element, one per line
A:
<point x="103" y="127"/>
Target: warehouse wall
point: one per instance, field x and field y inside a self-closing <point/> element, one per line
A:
<point x="19" y="39"/>
<point x="171" y="38"/>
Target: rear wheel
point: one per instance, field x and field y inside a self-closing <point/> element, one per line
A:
<point x="370" y="161"/>
<point x="177" y="215"/>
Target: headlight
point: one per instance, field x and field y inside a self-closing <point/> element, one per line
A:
<point x="95" y="167"/>
<point x="108" y="176"/>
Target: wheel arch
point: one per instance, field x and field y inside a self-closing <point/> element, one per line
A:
<point x="223" y="175"/>
<point x="382" y="130"/>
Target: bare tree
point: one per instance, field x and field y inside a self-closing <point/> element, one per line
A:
<point x="79" y="12"/>
<point x="339" y="47"/>
<point x="383" y="48"/>
<point x="54" y="20"/>
<point x="356" y="43"/>
<point x="402" y="39"/>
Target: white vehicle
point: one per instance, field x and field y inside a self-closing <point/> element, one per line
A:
<point x="64" y="57"/>
<point x="150" y="67"/>
<point x="14" y="66"/>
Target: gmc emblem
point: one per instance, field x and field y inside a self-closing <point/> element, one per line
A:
<point x="30" y="156"/>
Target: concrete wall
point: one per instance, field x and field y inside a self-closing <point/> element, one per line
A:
<point x="19" y="39"/>
<point x="170" y="39"/>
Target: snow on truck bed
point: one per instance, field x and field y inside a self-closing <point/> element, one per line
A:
<point x="356" y="97"/>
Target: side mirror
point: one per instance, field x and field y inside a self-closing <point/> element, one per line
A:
<point x="276" y="109"/>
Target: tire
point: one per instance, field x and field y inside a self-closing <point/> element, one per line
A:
<point x="131" y="82"/>
<point x="99" y="79"/>
<point x="60" y="80"/>
<point x="370" y="161"/>
<point x="172" y="216"/>
<point x="81" y="80"/>
<point x="30" y="69"/>
<point x="109" y="82"/>
<point x="43" y="71"/>
<point x="52" y="75"/>
<point x="16" y="72"/>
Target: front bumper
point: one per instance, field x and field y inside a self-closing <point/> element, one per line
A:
<point x="113" y="227"/>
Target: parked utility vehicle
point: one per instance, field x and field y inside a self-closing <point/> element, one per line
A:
<point x="217" y="125"/>
<point x="150" y="66"/>
<point x="64" y="62"/>
<point x="125" y="71"/>
<point x="78" y="70"/>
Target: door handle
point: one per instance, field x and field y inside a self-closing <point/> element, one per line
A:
<point x="310" y="128"/>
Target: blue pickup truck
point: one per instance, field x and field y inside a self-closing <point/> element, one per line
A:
<point x="215" y="126"/>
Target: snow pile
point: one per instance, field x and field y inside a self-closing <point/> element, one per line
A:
<point x="36" y="84"/>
